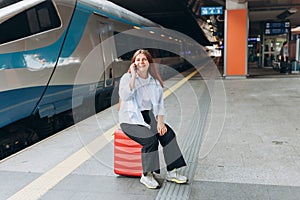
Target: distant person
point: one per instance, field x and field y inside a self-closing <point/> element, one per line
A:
<point x="141" y="118"/>
<point x="284" y="54"/>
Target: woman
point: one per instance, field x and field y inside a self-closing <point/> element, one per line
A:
<point x="141" y="119"/>
<point x="284" y="54"/>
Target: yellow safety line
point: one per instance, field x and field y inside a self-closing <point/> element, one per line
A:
<point x="37" y="188"/>
<point x="181" y="82"/>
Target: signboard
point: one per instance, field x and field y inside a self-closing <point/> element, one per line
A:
<point x="277" y="24"/>
<point x="253" y="39"/>
<point x="277" y="28"/>
<point x="212" y="10"/>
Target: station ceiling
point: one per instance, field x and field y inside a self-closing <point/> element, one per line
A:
<point x="172" y="14"/>
<point x="261" y="11"/>
<point x="185" y="15"/>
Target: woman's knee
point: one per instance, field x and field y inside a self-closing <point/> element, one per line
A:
<point x="151" y="144"/>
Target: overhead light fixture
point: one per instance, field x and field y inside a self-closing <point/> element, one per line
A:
<point x="292" y="10"/>
<point x="287" y="13"/>
<point x="283" y="15"/>
<point x="296" y="29"/>
<point x="220" y="18"/>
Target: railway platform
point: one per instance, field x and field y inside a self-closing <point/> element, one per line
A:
<point x="240" y="139"/>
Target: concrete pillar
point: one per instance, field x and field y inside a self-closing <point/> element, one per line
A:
<point x="236" y="39"/>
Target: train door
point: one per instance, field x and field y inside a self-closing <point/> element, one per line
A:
<point x="272" y="46"/>
<point x="108" y="52"/>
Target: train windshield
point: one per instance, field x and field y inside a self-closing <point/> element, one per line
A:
<point x="40" y="18"/>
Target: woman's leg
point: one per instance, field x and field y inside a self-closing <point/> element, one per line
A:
<point x="172" y="154"/>
<point x="173" y="157"/>
<point x="171" y="150"/>
<point x="149" y="141"/>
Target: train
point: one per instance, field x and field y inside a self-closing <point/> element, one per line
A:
<point x="58" y="57"/>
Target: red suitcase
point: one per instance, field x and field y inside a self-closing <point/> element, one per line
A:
<point x="127" y="155"/>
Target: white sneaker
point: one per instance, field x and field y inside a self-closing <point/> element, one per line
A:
<point x="149" y="181"/>
<point x="173" y="176"/>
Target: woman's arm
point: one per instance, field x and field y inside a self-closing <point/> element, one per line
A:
<point x="127" y="83"/>
<point x="125" y="92"/>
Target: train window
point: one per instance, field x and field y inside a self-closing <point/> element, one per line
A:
<point x="38" y="19"/>
<point x="162" y="53"/>
<point x="127" y="56"/>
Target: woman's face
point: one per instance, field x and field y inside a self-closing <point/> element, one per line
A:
<point x="142" y="63"/>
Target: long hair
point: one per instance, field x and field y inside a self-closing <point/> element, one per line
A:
<point x="152" y="68"/>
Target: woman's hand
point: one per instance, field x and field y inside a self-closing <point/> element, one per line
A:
<point x="161" y="128"/>
<point x="133" y="70"/>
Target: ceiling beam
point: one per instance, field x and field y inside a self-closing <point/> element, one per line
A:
<point x="277" y="7"/>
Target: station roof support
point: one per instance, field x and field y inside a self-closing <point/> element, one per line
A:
<point x="236" y="40"/>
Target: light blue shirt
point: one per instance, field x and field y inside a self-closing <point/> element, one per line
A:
<point x="132" y="100"/>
